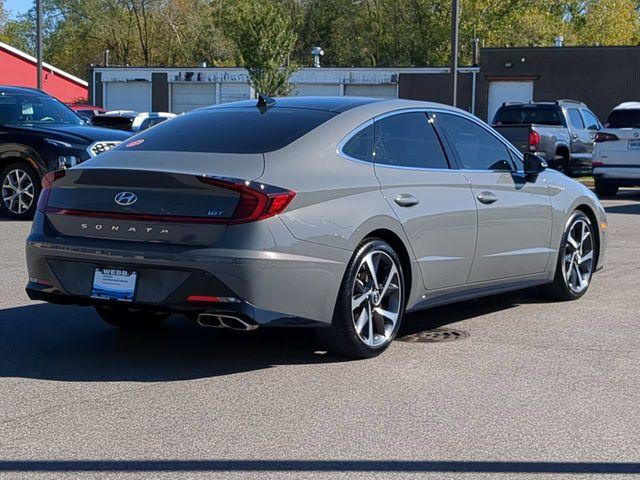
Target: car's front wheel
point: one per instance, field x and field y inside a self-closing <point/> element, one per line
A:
<point x="130" y="319"/>
<point x="370" y="304"/>
<point x="20" y="187"/>
<point x="576" y="259"/>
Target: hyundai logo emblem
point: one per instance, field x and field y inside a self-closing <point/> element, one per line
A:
<point x="126" y="198"/>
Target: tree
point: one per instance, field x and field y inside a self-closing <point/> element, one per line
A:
<point x="604" y="22"/>
<point x="265" y="34"/>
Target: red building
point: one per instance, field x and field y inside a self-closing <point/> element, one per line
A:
<point x="20" y="69"/>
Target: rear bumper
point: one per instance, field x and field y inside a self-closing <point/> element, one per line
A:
<point x="287" y="282"/>
<point x="244" y="310"/>
<point x="623" y="176"/>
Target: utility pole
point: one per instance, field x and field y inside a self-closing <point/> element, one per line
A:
<point x="455" y="13"/>
<point x="39" y="41"/>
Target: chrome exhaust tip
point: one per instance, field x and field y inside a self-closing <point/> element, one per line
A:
<point x="209" y="320"/>
<point x="212" y="320"/>
<point x="235" y="323"/>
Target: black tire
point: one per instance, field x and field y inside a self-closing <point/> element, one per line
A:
<point x="343" y="337"/>
<point x="561" y="288"/>
<point x="15" y="208"/>
<point x="561" y="164"/>
<point x="605" y="189"/>
<point x="130" y="319"/>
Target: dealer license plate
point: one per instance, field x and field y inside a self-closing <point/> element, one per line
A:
<point x="114" y="284"/>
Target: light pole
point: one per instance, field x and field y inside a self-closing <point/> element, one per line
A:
<point x="455" y="13"/>
<point x="39" y="41"/>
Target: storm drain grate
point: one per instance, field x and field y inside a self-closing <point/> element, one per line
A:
<point x="434" y="335"/>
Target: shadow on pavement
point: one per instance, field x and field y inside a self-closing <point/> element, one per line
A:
<point x="69" y="343"/>
<point x="233" y="465"/>
<point x="625" y="209"/>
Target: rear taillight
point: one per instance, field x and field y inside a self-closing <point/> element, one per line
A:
<point x="596" y="163"/>
<point x="47" y="182"/>
<point x="534" y="140"/>
<point x="257" y="201"/>
<point x="605" y="137"/>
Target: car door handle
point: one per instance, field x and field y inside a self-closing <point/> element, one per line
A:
<point x="487" y="197"/>
<point x="406" y="200"/>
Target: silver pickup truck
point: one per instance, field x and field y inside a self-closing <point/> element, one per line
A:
<point x="562" y="132"/>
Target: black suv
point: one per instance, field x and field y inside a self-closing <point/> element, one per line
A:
<point x="39" y="134"/>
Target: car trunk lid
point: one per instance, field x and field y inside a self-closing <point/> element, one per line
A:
<point x="137" y="197"/>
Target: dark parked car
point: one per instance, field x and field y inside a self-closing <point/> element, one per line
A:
<point x="130" y="121"/>
<point x="39" y="134"/>
<point x="561" y="132"/>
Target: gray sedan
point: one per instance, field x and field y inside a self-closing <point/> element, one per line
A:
<point x="337" y="213"/>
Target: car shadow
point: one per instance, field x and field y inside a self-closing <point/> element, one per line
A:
<point x="67" y="343"/>
<point x="625" y="209"/>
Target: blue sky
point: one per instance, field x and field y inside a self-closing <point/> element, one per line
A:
<point x="18" y="6"/>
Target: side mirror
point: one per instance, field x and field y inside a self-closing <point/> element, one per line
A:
<point x="533" y="166"/>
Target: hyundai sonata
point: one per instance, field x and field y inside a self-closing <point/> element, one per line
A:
<point x="341" y="213"/>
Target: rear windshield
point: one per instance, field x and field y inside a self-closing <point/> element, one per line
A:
<point x="528" y="114"/>
<point x="623" y="119"/>
<point x="230" y="130"/>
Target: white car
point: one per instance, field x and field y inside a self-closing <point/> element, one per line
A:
<point x="616" y="155"/>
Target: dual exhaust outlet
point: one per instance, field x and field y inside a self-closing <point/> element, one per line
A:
<point x="224" y="321"/>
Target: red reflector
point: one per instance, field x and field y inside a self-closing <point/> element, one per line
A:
<point x="534" y="140"/>
<point x="597" y="164"/>
<point x="211" y="299"/>
<point x="202" y="299"/>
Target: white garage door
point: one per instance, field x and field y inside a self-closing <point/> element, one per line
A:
<point x="376" y="91"/>
<point x="500" y="92"/>
<point x="232" y="92"/>
<point x="187" y="96"/>
<point x="315" y="89"/>
<point x="128" y="96"/>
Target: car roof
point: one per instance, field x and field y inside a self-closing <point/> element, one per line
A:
<point x="329" y="104"/>
<point x="628" y="106"/>
<point x="6" y="89"/>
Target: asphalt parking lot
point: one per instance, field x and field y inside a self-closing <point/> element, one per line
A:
<point x="536" y="390"/>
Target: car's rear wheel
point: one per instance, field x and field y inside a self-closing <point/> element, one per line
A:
<point x="576" y="259"/>
<point x="605" y="188"/>
<point x="20" y="187"/>
<point x="131" y="319"/>
<point x="370" y="304"/>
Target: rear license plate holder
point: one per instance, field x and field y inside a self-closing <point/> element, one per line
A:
<point x="114" y="284"/>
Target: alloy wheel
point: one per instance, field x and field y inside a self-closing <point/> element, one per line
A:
<point x="18" y="191"/>
<point x="376" y="298"/>
<point x="578" y="256"/>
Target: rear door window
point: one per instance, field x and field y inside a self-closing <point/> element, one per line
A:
<point x="231" y="130"/>
<point x="360" y="145"/>
<point x="575" y="119"/>
<point x="476" y="147"/>
<point x="408" y="140"/>
<point x="627" y="118"/>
